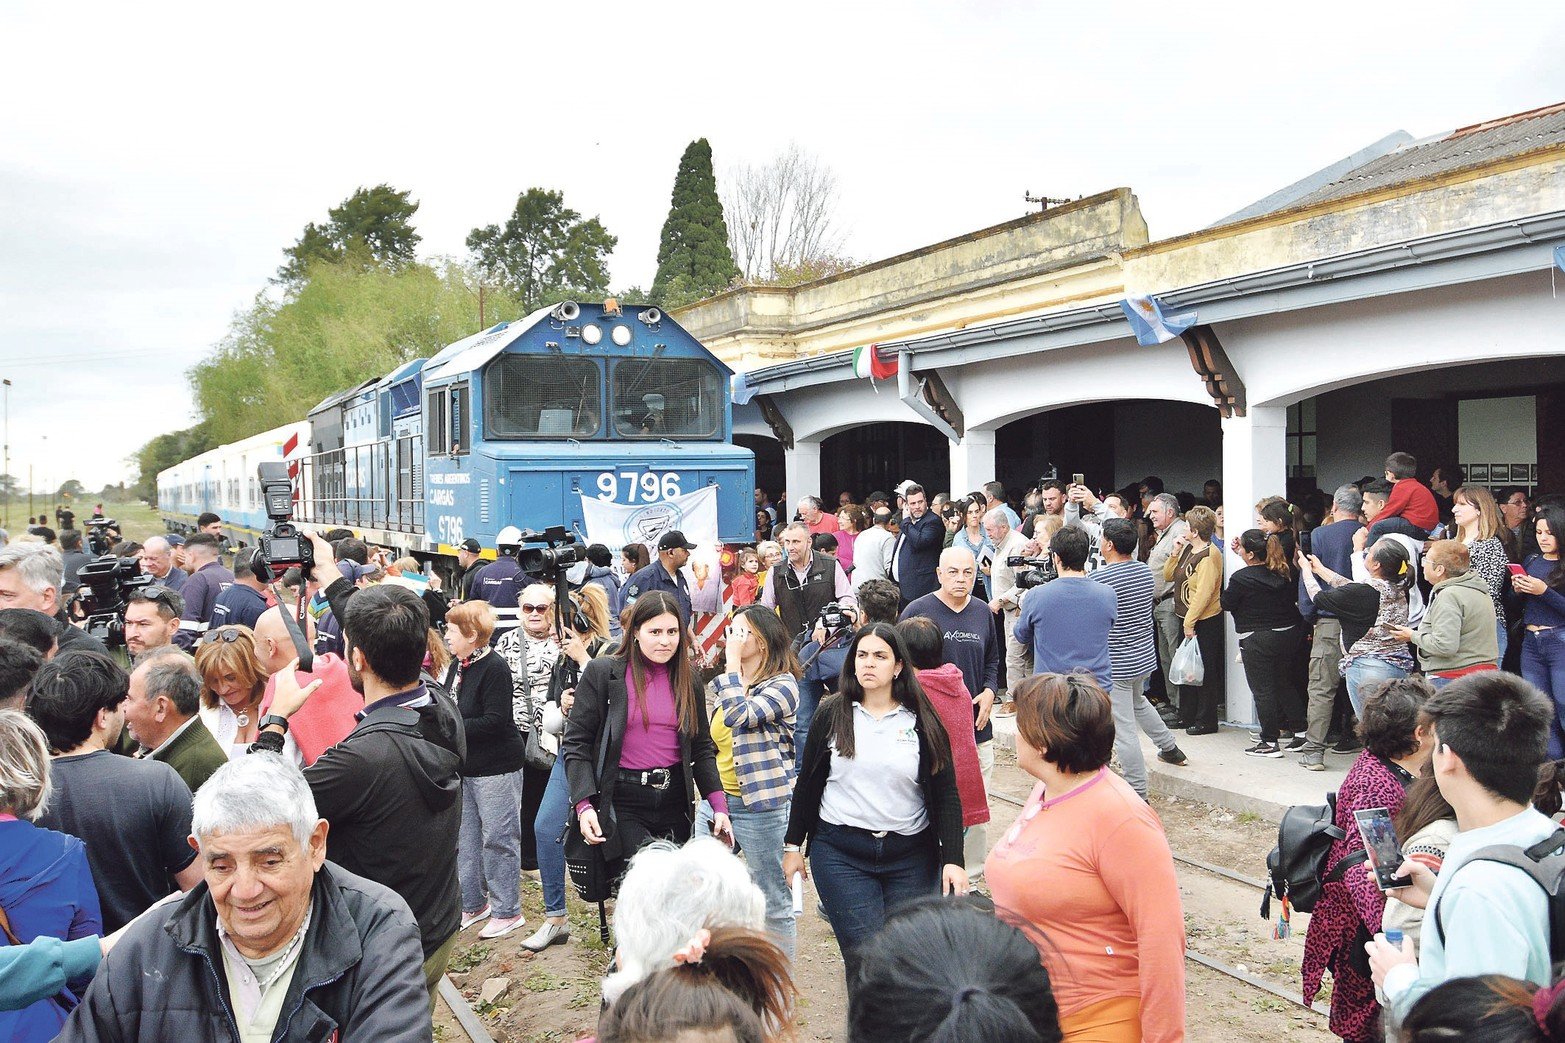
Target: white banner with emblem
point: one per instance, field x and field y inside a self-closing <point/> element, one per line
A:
<point x="617" y="524"/>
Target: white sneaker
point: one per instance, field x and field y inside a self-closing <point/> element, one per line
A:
<point x="547" y="935"/>
<point x="469" y="919"/>
<point x="498" y="928"/>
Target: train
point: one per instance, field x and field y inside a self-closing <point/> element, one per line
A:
<point x="517" y="425"/>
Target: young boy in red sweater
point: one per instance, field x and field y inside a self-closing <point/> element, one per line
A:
<point x="1411" y="510"/>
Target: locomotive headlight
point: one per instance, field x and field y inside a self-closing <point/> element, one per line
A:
<point x="620" y="335"/>
<point x="591" y="334"/>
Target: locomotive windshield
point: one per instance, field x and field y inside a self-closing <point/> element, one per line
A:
<point x="667" y="398"/>
<point x="527" y="396"/>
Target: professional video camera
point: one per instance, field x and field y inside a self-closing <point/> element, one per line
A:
<point x="1038" y="571"/>
<point x="106" y="585"/>
<point x="102" y="534"/>
<point x="548" y="563"/>
<point x="283" y="546"/>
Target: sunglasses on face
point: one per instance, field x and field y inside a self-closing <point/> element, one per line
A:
<point x="535" y="608"/>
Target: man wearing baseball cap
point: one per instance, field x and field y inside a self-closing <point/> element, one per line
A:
<point x="467" y="557"/>
<point x="663" y="573"/>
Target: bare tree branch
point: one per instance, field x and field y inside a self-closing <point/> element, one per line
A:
<point x="782" y="215"/>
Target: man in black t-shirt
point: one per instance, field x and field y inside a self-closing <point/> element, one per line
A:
<point x="137" y="842"/>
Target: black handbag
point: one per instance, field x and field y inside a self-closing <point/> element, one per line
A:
<point x="585" y="863"/>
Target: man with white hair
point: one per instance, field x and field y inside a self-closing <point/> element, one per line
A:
<point x="303" y="944"/>
<point x="32" y="576"/>
<point x="161" y="713"/>
<point x="1008" y="543"/>
<point x="157" y="561"/>
<point x="812" y="513"/>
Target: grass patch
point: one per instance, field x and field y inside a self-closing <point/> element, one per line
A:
<point x="1248" y="817"/>
<point x="464" y="960"/>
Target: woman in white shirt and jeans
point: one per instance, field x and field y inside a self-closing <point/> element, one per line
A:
<point x="876" y="796"/>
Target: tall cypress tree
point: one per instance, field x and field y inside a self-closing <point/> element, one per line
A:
<point x="694" y="259"/>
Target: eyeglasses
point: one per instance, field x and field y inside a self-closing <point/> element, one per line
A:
<point x="535" y="608"/>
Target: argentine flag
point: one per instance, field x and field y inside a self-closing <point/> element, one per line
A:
<point x="1149" y="323"/>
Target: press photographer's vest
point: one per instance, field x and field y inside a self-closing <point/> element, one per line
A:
<point x="800" y="601"/>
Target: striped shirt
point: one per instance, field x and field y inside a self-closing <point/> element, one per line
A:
<point x="761" y="720"/>
<point x="1131" y="651"/>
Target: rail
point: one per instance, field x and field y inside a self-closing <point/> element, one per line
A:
<point x="1209" y="962"/>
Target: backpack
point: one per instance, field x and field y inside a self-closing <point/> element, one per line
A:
<point x="1545" y="863"/>
<point x="1296" y="868"/>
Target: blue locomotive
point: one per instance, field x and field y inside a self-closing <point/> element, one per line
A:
<point x="513" y="426"/>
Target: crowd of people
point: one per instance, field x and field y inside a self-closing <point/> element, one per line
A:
<point x="294" y="853"/>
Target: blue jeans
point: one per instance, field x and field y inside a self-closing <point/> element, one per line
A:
<point x="1502" y="633"/>
<point x="1543" y="665"/>
<point x="759" y="836"/>
<point x="1399" y="525"/>
<point x="1364" y="675"/>
<point x="810" y="694"/>
<point x="548" y="828"/>
<point x="860" y="877"/>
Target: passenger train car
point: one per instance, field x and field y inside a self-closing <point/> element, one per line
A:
<point x="514" y="425"/>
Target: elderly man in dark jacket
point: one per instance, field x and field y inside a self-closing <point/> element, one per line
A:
<point x="276" y="943"/>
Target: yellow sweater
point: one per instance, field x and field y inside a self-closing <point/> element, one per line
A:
<point x="1198" y="586"/>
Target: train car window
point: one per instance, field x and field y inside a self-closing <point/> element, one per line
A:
<point x="667" y="398"/>
<point x="526" y="396"/>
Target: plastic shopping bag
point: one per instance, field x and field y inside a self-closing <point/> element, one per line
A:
<point x="1186" y="668"/>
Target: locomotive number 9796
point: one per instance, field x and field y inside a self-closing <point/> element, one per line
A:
<point x="637" y="486"/>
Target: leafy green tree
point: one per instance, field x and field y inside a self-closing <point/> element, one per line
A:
<point x="164" y="452"/>
<point x="342" y="325"/>
<point x="372" y="226"/>
<point x="545" y="252"/>
<point x="70" y="490"/>
<point x="694" y="258"/>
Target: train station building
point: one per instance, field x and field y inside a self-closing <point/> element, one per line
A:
<point x="1402" y="298"/>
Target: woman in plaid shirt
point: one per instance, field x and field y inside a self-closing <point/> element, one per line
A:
<point x="752" y="705"/>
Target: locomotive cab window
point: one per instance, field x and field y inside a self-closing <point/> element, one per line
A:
<point x="526" y="396"/>
<point x="667" y="398"/>
<point x="446" y="408"/>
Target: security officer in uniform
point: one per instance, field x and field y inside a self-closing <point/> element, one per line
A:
<point x="804" y="583"/>
<point x="664" y="573"/>
<point x="467" y="557"/>
<point x="501" y="581"/>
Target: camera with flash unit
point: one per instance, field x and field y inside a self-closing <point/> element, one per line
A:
<point x="283" y="546"/>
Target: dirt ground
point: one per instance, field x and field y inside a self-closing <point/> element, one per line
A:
<point x="553" y="996"/>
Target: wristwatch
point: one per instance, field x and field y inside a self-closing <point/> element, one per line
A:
<point x="271" y="719"/>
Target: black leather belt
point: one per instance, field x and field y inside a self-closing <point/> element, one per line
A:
<point x="657" y="778"/>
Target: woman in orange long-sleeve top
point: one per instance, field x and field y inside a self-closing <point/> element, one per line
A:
<point x="1087" y="863"/>
<point x="1196" y="571"/>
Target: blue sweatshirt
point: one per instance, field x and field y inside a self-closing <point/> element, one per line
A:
<point x="1546" y="609"/>
<point x="1495" y="917"/>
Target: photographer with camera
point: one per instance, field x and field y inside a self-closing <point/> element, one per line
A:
<point x="804" y="582"/>
<point x="208" y="578"/>
<point x="31" y="576"/>
<point x="1067" y="620"/>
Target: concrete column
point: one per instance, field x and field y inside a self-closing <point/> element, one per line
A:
<point x="1255" y="464"/>
<point x="802" y="472"/>
<point x="972" y="462"/>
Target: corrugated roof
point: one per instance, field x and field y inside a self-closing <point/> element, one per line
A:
<point x="1466" y="147"/>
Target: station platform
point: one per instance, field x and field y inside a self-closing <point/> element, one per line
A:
<point x="1219" y="772"/>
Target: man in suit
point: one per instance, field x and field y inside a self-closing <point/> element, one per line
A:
<point x="918" y="546"/>
<point x="160" y="711"/>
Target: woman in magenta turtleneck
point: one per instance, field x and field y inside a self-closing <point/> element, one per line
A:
<point x="640" y="714"/>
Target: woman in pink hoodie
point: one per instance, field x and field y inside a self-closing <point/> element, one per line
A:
<point x="943" y="683"/>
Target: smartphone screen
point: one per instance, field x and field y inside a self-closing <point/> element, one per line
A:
<point x="1380" y="840"/>
<point x="1517" y="570"/>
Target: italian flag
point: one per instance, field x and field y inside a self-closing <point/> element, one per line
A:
<point x="874" y="362"/>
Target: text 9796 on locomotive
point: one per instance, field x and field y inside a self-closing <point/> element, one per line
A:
<point x="516" y="425"/>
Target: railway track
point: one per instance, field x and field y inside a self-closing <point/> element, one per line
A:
<point x="1202" y="959"/>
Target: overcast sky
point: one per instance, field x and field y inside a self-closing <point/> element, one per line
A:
<point x="155" y="160"/>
